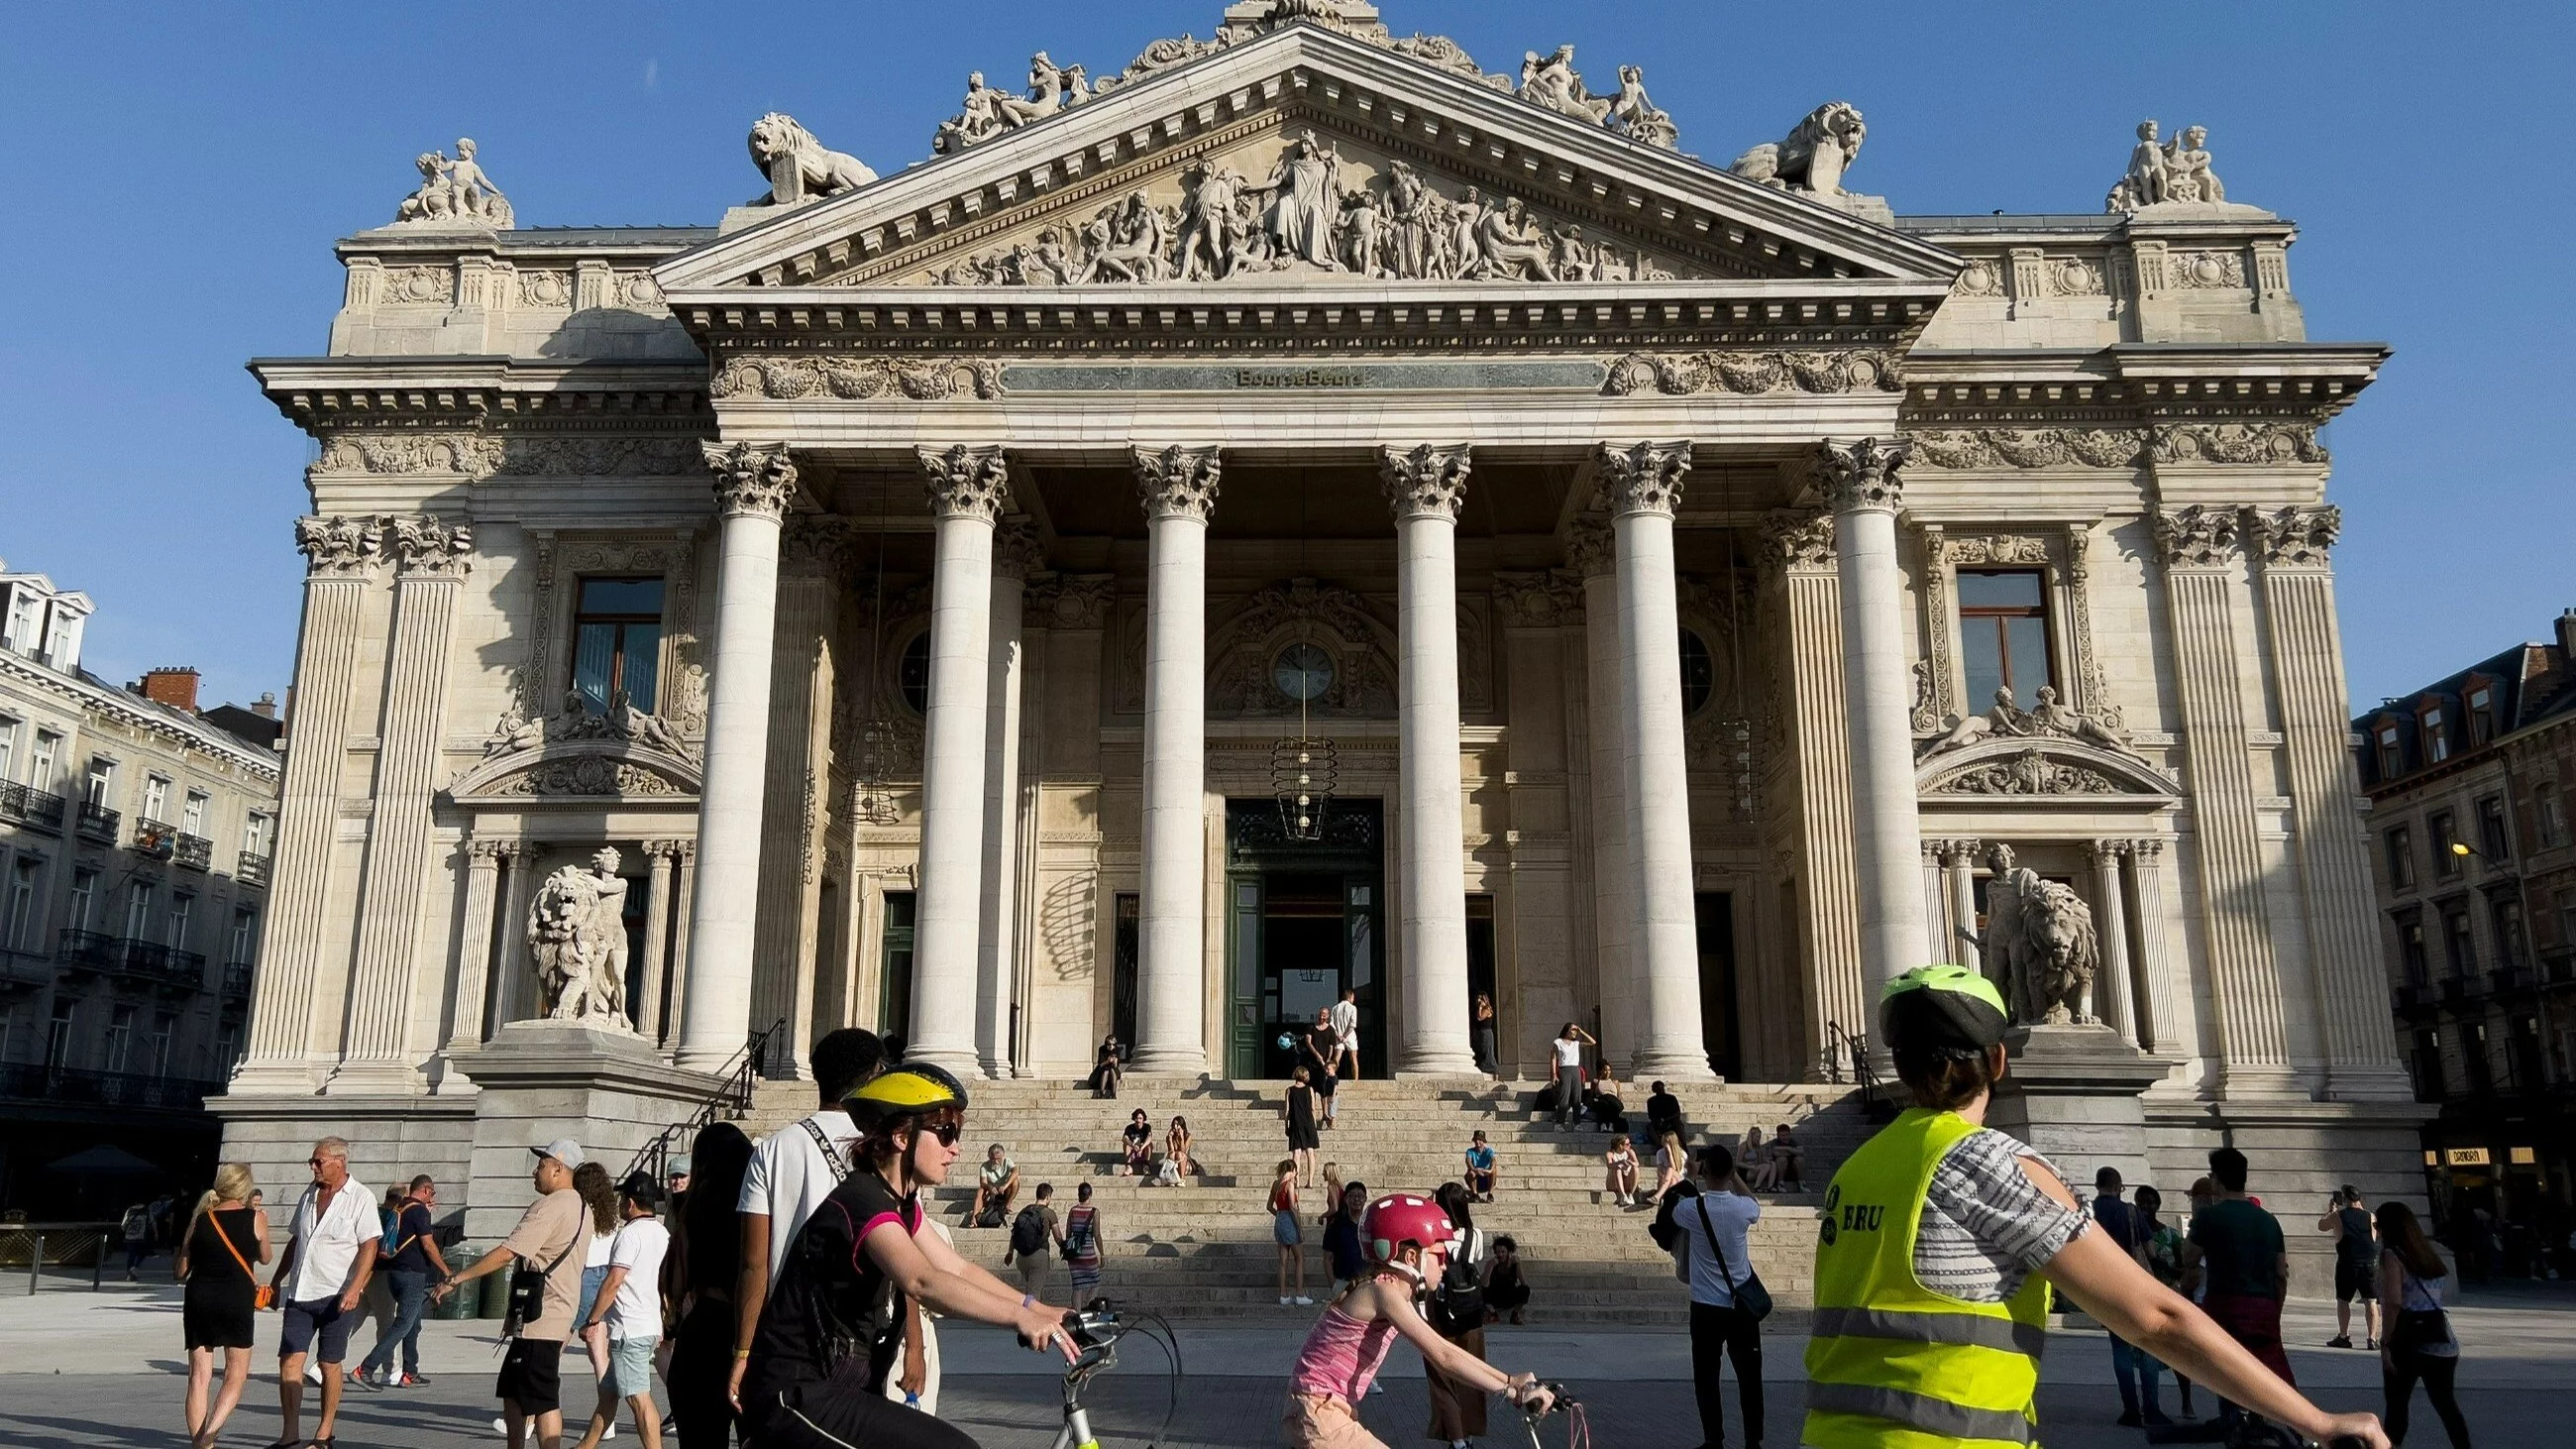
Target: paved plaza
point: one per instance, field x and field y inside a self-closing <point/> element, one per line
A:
<point x="86" y="1369"/>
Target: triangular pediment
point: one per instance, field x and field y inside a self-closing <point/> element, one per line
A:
<point x="1415" y="173"/>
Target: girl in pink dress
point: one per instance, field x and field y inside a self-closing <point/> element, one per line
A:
<point x="1407" y="1238"/>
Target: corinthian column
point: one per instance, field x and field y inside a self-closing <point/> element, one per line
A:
<point x="1423" y="486"/>
<point x="1862" y="487"/>
<point x="430" y="556"/>
<point x="753" y="487"/>
<point x="968" y="487"/>
<point x="2334" y="872"/>
<point x="1178" y="488"/>
<point x="1015" y="552"/>
<point x="1643" y="482"/>
<point x="474" y="946"/>
<point x="657" y="937"/>
<point x="341" y="557"/>
<point x="1590" y="548"/>
<point x="2110" y="993"/>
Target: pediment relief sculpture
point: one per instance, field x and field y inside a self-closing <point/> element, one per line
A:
<point x="2042" y="767"/>
<point x="1299" y="209"/>
<point x="2047" y="718"/>
<point x="574" y="719"/>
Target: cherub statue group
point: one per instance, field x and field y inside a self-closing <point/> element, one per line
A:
<point x="455" y="192"/>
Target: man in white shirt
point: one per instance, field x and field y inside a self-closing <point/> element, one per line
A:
<point x="1713" y="1232"/>
<point x="321" y="1282"/>
<point x="630" y="1303"/>
<point x="792" y="1171"/>
<point x="1346" y="1030"/>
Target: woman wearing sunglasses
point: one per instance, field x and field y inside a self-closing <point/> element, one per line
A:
<point x="833" y="1324"/>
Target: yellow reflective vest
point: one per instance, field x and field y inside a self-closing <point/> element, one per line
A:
<point x="1892" y="1364"/>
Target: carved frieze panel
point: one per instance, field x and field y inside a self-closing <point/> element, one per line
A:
<point x="2029" y="447"/>
<point x="2237" y="443"/>
<point x="786" y="377"/>
<point x="588" y="769"/>
<point x="2029" y="768"/>
<point x="1754" y="373"/>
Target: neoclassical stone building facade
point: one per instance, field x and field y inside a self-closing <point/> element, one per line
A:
<point x="929" y="585"/>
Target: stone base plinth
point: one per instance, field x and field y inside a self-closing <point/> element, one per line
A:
<point x="2074" y="1093"/>
<point x="608" y="1090"/>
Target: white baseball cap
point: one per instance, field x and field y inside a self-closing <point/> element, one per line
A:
<point x="563" y="1150"/>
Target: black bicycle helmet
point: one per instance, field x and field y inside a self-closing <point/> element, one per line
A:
<point x="1941" y="1006"/>
<point x="914" y="1089"/>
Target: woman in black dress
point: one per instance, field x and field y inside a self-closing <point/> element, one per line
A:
<point x="1299" y="1113"/>
<point x="1317" y="1051"/>
<point x="225" y="1236"/>
<point x="702" y="1359"/>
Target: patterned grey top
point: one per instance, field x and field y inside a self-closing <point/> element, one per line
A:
<point x="1986" y="1227"/>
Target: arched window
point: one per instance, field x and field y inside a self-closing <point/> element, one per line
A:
<point x="1699" y="673"/>
<point x="912" y="675"/>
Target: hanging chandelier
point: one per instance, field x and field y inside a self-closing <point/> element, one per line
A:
<point x="1304" y="769"/>
<point x="872" y="801"/>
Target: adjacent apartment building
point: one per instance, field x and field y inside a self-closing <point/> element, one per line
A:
<point x="135" y="837"/>
<point x="2470" y="780"/>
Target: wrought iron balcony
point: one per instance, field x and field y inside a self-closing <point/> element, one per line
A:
<point x="195" y="852"/>
<point x="237" y="981"/>
<point x="146" y="961"/>
<point x="35" y="1081"/>
<point x="155" y="838"/>
<point x="251" y="869"/>
<point x="25" y="970"/>
<point x="98" y="822"/>
<point x="28" y="806"/>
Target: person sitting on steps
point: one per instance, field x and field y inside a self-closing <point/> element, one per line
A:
<point x="996" y="1183"/>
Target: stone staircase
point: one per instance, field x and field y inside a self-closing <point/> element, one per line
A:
<point x="1204" y="1250"/>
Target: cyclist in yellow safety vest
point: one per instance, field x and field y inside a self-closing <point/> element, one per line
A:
<point x="1937" y="1243"/>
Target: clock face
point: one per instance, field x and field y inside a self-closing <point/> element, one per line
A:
<point x="1303" y="672"/>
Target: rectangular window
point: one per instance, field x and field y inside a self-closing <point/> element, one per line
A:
<point x="2003" y="636"/>
<point x="894" y="998"/>
<point x="2506" y="916"/>
<point x="183" y="906"/>
<point x="156" y="797"/>
<point x="2392" y="755"/>
<point x="2459" y="949"/>
<point x="2473" y="1055"/>
<point x="617" y="643"/>
<point x="62" y="640"/>
<point x="165" y="1031"/>
<point x="2482" y="715"/>
<point x="23" y="608"/>
<point x="2400" y="844"/>
<point x="227" y="1048"/>
<point x="20" y="927"/>
<point x="101" y="779"/>
<point x="255" y="834"/>
<point x="2436" y="734"/>
<point x="245" y="938"/>
<point x="58" y="1031"/>
<point x="192" y="816"/>
<point x="40" y="760"/>
<point x="118" y="1045"/>
<point x="2491" y="837"/>
<point x="2551" y="814"/>
<point x="138" y="911"/>
<point x="9" y="749"/>
<point x="2410" y="946"/>
<point x="2446" y="833"/>
<point x="84" y="895"/>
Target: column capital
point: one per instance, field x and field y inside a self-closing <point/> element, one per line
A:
<point x="2107" y="852"/>
<point x="478" y="849"/>
<point x="1018" y="550"/>
<point x="754" y="480"/>
<point x="1425" y="480"/>
<point x="424" y="545"/>
<point x="1177" y="481"/>
<point x="1591" y="548"/>
<point x="660" y="850"/>
<point x="685" y="852"/>
<point x="2200" y="535"/>
<point x="339" y="545"/>
<point x="1863" y="477"/>
<point x="2295" y="537"/>
<point x="1642" y="477"/>
<point x="1795" y="539"/>
<point x="2146" y="850"/>
<point x="966" y="482"/>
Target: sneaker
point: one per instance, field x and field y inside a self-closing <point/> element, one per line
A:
<point x="1286" y="1302"/>
<point x="1303" y="1301"/>
<point x="313" y="1372"/>
<point x="2374" y="1345"/>
<point x="412" y="1381"/>
<point x="2340" y="1340"/>
<point x="501" y="1427"/>
<point x="612" y="1432"/>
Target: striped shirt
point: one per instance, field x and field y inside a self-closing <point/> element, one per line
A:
<point x="1986" y="1227"/>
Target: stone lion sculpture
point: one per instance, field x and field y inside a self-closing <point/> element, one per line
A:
<point x="1814" y="156"/>
<point x="577" y="936"/>
<point x="800" y="168"/>
<point x="2041" y="933"/>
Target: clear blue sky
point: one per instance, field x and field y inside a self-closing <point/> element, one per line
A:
<point x="175" y="177"/>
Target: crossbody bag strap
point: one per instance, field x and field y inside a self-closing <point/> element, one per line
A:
<point x="229" y="1246"/>
<point x="1723" y="1271"/>
<point x="832" y="1155"/>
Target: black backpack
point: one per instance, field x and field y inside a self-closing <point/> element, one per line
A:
<point x="1029" y="1232"/>
<point x="1458" y="1301"/>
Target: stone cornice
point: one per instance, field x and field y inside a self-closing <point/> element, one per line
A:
<point x="140" y="715"/>
<point x="2137" y="385"/>
<point x="328" y="395"/>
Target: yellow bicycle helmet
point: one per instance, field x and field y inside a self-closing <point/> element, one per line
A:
<point x="1942" y="1006"/>
<point x="914" y="1089"/>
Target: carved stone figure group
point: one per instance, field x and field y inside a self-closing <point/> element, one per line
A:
<point x="2040" y="938"/>
<point x="989" y="113"/>
<point x="2176" y="171"/>
<point x="1305" y="213"/>
<point x="454" y="193"/>
<point x="1814" y="155"/>
<point x="577" y="938"/>
<point x="575" y="720"/>
<point x="1552" y="81"/>
<point x="800" y="168"/>
<point x="2047" y="717"/>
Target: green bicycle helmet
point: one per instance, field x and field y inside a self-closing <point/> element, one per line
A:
<point x="1931" y="1007"/>
<point x="914" y="1089"/>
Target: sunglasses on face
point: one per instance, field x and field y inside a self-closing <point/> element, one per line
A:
<point x="946" y="1132"/>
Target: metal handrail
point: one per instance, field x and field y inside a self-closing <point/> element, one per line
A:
<point x="1843" y="1046"/>
<point x="731" y="1098"/>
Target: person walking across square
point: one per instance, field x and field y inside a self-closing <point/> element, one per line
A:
<point x="630" y="1306"/>
<point x="2356" y="1266"/>
<point x="412" y="1262"/>
<point x="2235" y="1250"/>
<point x="547" y="1244"/>
<point x="330" y="1255"/>
<point x="1712" y="1233"/>
<point x="792" y="1170"/>
<point x="223" y="1237"/>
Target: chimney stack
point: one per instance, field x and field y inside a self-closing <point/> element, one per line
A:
<point x="2567" y="635"/>
<point x="176" y="687"/>
<point x="266" y="708"/>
